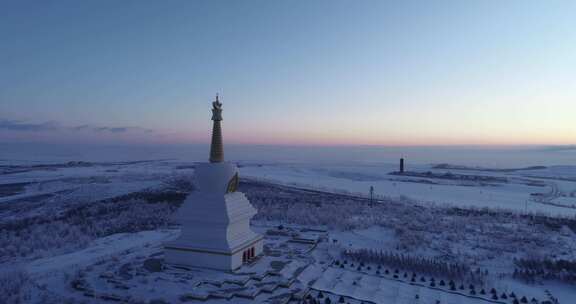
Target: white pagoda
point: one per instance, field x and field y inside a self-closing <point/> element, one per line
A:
<point x="215" y="217"/>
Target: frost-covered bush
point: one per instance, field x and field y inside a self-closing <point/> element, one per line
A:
<point x="14" y="286"/>
<point x="181" y="183"/>
<point x="430" y="266"/>
<point x="455" y="234"/>
<point x="32" y="229"/>
<point x="48" y="235"/>
<point x="530" y="270"/>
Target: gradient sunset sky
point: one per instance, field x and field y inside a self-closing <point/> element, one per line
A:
<point x="289" y="72"/>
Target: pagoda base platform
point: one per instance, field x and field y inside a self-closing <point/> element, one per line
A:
<point x="179" y="254"/>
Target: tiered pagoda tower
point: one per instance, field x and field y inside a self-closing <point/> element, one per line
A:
<point x="215" y="217"/>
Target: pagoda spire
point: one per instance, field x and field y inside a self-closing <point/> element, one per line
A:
<point x="217" y="146"/>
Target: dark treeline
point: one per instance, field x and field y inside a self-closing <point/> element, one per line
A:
<point x="429" y="266"/>
<point x="552" y="222"/>
<point x="531" y="269"/>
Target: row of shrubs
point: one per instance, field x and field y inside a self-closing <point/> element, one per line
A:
<point x="324" y="299"/>
<point x="530" y="270"/>
<point x="433" y="282"/>
<point x="430" y="266"/>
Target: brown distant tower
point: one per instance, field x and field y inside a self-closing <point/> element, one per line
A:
<point x="217" y="147"/>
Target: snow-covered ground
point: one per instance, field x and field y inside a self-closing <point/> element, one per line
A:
<point x="93" y="232"/>
<point x="557" y="184"/>
<point x="90" y="181"/>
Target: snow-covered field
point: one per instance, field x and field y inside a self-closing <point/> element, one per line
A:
<point x="93" y="232"/>
<point x="548" y="189"/>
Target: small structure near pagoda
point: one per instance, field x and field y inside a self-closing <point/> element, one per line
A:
<point x="215" y="217"/>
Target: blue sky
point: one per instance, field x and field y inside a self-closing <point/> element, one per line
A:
<point x="289" y="72"/>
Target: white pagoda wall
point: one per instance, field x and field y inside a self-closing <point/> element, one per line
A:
<point x="210" y="260"/>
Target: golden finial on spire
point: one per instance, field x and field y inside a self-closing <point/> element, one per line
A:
<point x="216" y="109"/>
<point x="217" y="146"/>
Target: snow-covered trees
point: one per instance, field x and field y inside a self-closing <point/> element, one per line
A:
<point x="14" y="284"/>
<point x="455" y="234"/>
<point x="48" y="235"/>
<point x="530" y="270"/>
<point x="433" y="267"/>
